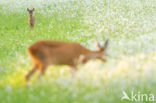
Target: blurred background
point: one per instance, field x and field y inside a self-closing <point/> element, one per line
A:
<point x="130" y="26"/>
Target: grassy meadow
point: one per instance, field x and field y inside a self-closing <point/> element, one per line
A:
<point x="130" y="26"/>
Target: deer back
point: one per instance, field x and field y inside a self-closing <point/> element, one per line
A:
<point x="55" y="52"/>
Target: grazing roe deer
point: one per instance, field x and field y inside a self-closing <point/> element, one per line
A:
<point x="31" y="19"/>
<point x="44" y="53"/>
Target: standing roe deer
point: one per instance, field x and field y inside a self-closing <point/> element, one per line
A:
<point x="31" y="19"/>
<point x="44" y="53"/>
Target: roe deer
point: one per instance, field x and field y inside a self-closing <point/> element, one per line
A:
<point x="31" y="19"/>
<point x="46" y="52"/>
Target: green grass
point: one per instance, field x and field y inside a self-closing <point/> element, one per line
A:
<point x="130" y="26"/>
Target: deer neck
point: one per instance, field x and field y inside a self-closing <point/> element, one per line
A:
<point x="31" y="16"/>
<point x="93" y="54"/>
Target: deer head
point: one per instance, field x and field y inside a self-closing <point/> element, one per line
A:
<point x="30" y="11"/>
<point x="100" y="53"/>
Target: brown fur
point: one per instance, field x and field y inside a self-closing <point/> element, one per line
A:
<point x="31" y="19"/>
<point x="44" y="53"/>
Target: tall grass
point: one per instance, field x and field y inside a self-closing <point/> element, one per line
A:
<point x="130" y="26"/>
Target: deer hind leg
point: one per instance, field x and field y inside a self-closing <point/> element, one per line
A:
<point x="42" y="69"/>
<point x="32" y="71"/>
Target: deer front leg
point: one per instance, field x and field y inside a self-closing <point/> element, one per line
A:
<point x="73" y="69"/>
<point x="31" y="26"/>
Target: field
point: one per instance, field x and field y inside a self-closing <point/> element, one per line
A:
<point x="130" y="26"/>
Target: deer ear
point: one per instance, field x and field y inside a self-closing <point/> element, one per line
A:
<point x="33" y="9"/>
<point x="27" y="9"/>
<point x="105" y="45"/>
<point x="98" y="45"/>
